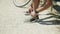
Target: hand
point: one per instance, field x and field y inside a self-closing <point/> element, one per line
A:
<point x="33" y="14"/>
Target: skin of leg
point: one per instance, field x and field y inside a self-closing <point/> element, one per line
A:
<point x="47" y="4"/>
<point x="30" y="8"/>
<point x="35" y="3"/>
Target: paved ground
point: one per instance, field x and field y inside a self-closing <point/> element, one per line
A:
<point x="12" y="21"/>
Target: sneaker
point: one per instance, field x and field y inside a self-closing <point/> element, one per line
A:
<point x="33" y="19"/>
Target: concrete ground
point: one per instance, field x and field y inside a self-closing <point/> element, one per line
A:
<point x="12" y="21"/>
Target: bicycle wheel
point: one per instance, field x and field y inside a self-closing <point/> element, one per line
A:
<point x="21" y="3"/>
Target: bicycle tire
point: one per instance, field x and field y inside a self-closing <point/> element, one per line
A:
<point x="18" y="4"/>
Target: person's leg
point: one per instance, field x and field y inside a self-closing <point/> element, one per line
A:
<point x="35" y="4"/>
<point x="47" y="4"/>
<point x="30" y="8"/>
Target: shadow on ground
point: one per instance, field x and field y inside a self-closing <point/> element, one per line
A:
<point x="57" y="7"/>
<point x="49" y="22"/>
<point x="43" y="21"/>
